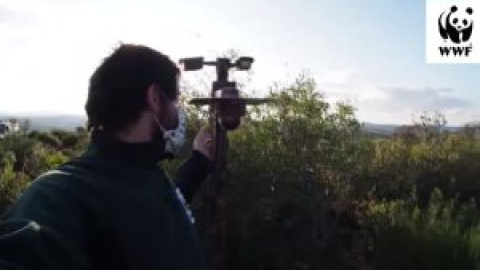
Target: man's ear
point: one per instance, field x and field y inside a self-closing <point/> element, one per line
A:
<point x="154" y="99"/>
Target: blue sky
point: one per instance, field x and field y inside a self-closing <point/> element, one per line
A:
<point x="369" y="52"/>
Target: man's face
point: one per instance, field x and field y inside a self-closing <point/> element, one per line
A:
<point x="167" y="112"/>
<point x="170" y="115"/>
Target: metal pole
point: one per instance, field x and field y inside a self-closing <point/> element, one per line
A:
<point x="222" y="119"/>
<point x="217" y="205"/>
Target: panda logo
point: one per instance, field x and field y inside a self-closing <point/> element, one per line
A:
<point x="457" y="25"/>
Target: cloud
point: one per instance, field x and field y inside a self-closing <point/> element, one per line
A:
<point x="7" y="15"/>
<point x="403" y="98"/>
<point x="339" y="77"/>
<point x="10" y="16"/>
<point x="394" y="104"/>
<point x="17" y="23"/>
<point x="403" y="104"/>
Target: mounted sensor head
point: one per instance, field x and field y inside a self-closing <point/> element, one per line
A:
<point x="244" y="63"/>
<point x="192" y="63"/>
<point x="231" y="108"/>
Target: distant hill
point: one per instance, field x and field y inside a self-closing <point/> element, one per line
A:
<point x="71" y="122"/>
<point x="380" y="129"/>
<point x="50" y="122"/>
<point x="389" y="129"/>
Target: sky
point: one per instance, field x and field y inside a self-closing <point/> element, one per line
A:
<point x="370" y="53"/>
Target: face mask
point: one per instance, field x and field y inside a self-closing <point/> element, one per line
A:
<point x="174" y="138"/>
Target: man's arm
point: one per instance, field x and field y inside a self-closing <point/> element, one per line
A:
<point x="192" y="174"/>
<point x="27" y="245"/>
<point x="44" y="228"/>
<point x="196" y="169"/>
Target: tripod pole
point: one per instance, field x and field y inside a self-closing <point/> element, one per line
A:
<point x="217" y="204"/>
<point x="226" y="109"/>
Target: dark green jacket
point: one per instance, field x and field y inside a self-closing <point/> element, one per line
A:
<point x="111" y="208"/>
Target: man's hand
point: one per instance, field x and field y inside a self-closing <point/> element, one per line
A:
<point x="204" y="142"/>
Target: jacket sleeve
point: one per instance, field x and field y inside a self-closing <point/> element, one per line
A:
<point x="192" y="173"/>
<point x="44" y="228"/>
<point x="27" y="245"/>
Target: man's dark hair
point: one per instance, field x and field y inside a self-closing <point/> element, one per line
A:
<point x="118" y="87"/>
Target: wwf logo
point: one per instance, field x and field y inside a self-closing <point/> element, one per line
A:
<point x="456" y="24"/>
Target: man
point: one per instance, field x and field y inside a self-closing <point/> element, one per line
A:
<point x="114" y="207"/>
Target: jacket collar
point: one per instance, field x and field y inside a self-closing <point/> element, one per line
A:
<point x="145" y="155"/>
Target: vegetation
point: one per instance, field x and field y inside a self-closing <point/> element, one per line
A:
<point x="309" y="190"/>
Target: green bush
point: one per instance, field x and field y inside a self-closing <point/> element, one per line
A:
<point x="11" y="183"/>
<point x="21" y="146"/>
<point x="48" y="139"/>
<point x="286" y="162"/>
<point x="445" y="235"/>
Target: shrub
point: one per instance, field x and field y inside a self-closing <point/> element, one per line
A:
<point x="444" y="235"/>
